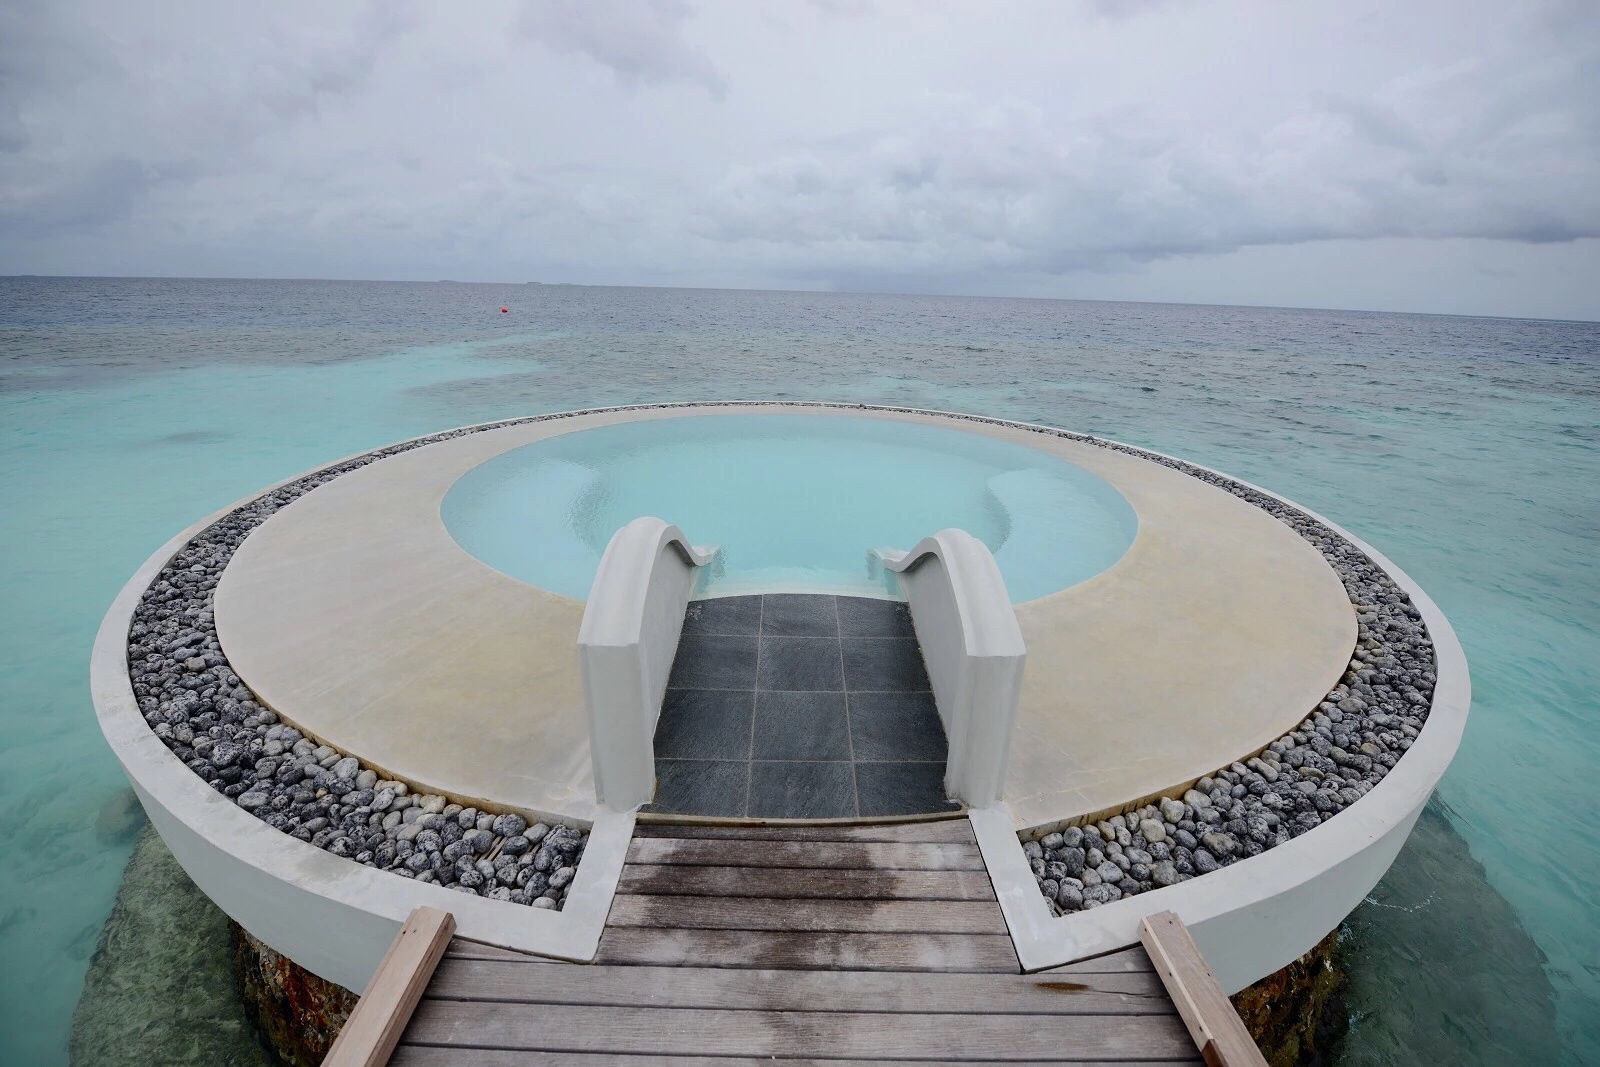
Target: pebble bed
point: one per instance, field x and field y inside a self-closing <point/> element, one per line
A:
<point x="1348" y="743"/>
<point x="195" y="703"/>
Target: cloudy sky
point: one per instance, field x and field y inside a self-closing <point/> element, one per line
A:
<point x="1431" y="155"/>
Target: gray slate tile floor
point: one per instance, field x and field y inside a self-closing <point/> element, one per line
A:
<point x="799" y="706"/>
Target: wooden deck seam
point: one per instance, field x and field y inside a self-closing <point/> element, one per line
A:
<point x="800" y="1058"/>
<point x="550" y="1002"/>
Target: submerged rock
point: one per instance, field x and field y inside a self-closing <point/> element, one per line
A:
<point x="1440" y="967"/>
<point x="296" y="1013"/>
<point x="1401" y="982"/>
<point x="160" y="987"/>
<point x="1297" y="1015"/>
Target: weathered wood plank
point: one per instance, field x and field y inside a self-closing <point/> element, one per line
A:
<point x="1212" y="1022"/>
<point x="1127" y="959"/>
<point x="431" y="1056"/>
<point x="882" y="991"/>
<point x="379" y="1017"/>
<point x="786" y="950"/>
<point x="435" y="1056"/>
<point x="792" y="882"/>
<point x="693" y="1031"/>
<point x="948" y="831"/>
<point x="749" y="913"/>
<point x="460" y="948"/>
<point x="852" y="855"/>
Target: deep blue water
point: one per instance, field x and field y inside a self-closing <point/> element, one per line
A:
<point x="1467" y="449"/>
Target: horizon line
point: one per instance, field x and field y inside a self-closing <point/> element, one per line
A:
<point x="809" y="292"/>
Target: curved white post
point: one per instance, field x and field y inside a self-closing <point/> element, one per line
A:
<point x="626" y="644"/>
<point x="973" y="649"/>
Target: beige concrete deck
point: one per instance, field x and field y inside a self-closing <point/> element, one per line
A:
<point x="355" y="615"/>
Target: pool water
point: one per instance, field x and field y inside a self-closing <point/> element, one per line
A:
<point x="795" y="503"/>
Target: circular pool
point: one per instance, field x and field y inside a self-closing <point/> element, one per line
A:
<point x="794" y="502"/>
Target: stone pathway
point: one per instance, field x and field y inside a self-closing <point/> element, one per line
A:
<point x="799" y="706"/>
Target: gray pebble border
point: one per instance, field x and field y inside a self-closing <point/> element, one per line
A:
<point x="210" y="720"/>
<point x="1347" y="745"/>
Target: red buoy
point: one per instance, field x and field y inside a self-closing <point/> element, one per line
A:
<point x="502" y="311"/>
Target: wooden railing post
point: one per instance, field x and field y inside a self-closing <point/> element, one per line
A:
<point x="380" y="1016"/>
<point x="1216" y="1028"/>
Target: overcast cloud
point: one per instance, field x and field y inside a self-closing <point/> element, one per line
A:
<point x="1427" y="155"/>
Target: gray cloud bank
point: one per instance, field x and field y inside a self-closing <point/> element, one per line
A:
<point x="1102" y="148"/>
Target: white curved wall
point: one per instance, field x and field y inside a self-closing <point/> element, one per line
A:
<point x="332" y="916"/>
<point x="974" y="653"/>
<point x="1260" y="914"/>
<point x="626" y="644"/>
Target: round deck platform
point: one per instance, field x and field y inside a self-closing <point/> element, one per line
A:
<point x="356" y="616"/>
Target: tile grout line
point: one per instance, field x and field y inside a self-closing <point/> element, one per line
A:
<point x="850" y="741"/>
<point x="734" y="759"/>
<point x="746" y="689"/>
<point x="755" y="701"/>
<point x="818" y="637"/>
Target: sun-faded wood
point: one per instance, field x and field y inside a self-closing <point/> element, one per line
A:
<point x="1127" y="959"/>
<point x="842" y="1035"/>
<point x="950" y="831"/>
<point x="849" y="943"/>
<point x="784" y="949"/>
<point x="752" y="913"/>
<point x="725" y="881"/>
<point x="370" y="1034"/>
<point x="854" y="855"/>
<point x="424" y="1056"/>
<point x="893" y="992"/>
<point x="1212" y="1022"/>
<point x="462" y="949"/>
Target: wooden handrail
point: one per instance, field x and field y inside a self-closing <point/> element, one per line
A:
<point x="1216" y="1028"/>
<point x="380" y="1016"/>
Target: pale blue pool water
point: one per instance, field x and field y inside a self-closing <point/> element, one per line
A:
<point x="1467" y="450"/>
<point x="793" y="503"/>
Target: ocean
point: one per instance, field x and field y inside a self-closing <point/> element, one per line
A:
<point x="1466" y="449"/>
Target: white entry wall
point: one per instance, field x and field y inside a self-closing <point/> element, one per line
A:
<point x="626" y="644"/>
<point x="973" y="649"/>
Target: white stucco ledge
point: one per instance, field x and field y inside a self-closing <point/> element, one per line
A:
<point x="333" y="916"/>
<point x="974" y="652"/>
<point x="1259" y="914"/>
<point x="626" y="644"/>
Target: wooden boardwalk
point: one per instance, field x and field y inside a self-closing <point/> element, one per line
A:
<point x="745" y="945"/>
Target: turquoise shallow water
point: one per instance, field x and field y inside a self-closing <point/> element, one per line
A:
<point x="1466" y="449"/>
<point x="795" y="503"/>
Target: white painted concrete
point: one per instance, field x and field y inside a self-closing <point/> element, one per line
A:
<point x="626" y="644"/>
<point x="974" y="653"/>
<point x="332" y="916"/>
<point x="1256" y="916"/>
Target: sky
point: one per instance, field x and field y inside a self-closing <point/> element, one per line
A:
<point x="1431" y="155"/>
